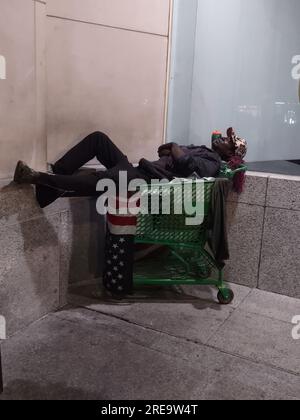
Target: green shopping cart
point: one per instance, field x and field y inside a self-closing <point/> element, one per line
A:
<point x="185" y="258"/>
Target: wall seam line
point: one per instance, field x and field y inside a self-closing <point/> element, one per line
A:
<point x="102" y="25"/>
<point x="193" y="75"/>
<point x="168" y="72"/>
<point x="262" y="235"/>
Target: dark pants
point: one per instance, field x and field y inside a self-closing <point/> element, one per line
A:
<point x="95" y="145"/>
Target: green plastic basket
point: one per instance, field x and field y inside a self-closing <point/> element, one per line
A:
<point x="172" y="228"/>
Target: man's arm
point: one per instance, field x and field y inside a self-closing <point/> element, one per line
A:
<point x="187" y="164"/>
<point x="171" y="149"/>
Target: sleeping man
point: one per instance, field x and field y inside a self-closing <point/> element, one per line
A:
<point x="174" y="161"/>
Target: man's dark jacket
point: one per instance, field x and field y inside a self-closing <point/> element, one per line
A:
<point x="197" y="159"/>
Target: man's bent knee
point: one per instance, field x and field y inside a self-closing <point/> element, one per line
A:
<point x="100" y="135"/>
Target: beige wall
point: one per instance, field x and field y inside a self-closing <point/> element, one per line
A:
<point x="106" y="66"/>
<point x="22" y="99"/>
<point x="139" y="15"/>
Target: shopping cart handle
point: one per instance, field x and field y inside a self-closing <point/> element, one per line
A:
<point x="242" y="168"/>
<point x="230" y="173"/>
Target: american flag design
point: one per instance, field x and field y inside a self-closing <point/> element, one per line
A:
<point x="119" y="253"/>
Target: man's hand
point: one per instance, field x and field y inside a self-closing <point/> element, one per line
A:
<point x="177" y="151"/>
<point x="165" y="150"/>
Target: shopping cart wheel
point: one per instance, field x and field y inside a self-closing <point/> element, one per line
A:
<point x="225" y="296"/>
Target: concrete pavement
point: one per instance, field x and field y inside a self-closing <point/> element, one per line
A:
<point x="163" y="344"/>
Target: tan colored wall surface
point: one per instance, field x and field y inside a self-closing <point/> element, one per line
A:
<point x="140" y="15"/>
<point x="106" y="68"/>
<point x="21" y="126"/>
<point x="105" y="77"/>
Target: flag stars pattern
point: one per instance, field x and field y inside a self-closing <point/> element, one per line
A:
<point x="116" y="273"/>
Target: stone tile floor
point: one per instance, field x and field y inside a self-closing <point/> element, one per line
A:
<point x="163" y="344"/>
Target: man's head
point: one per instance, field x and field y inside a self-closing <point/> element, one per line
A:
<point x="230" y="146"/>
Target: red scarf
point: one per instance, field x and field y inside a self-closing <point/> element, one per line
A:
<point x="240" y="178"/>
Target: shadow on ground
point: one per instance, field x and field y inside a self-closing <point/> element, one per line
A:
<point x="27" y="390"/>
<point x="95" y="294"/>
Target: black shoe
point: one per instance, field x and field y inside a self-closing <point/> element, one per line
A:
<point x="24" y="174"/>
